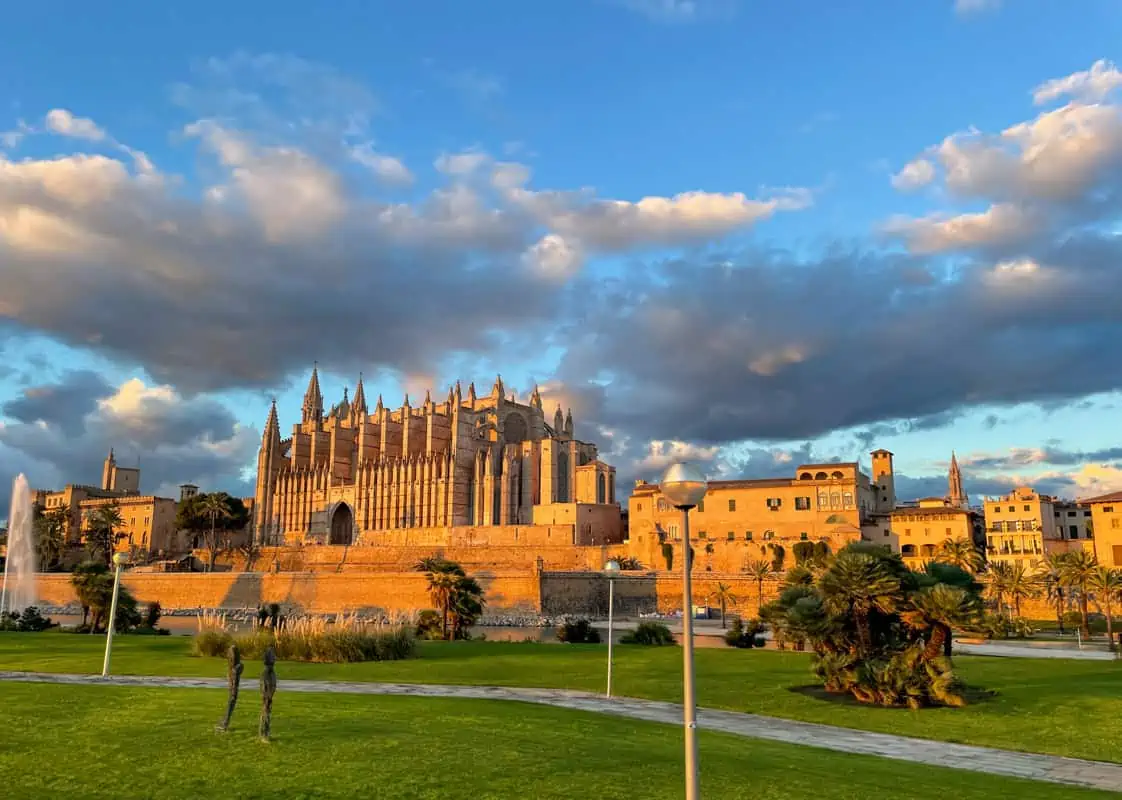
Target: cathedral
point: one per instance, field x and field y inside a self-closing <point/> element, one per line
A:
<point x="361" y="476"/>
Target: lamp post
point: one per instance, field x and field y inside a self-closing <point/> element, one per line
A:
<point x="611" y="568"/>
<point x="684" y="486"/>
<point x="119" y="561"/>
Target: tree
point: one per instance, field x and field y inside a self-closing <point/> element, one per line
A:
<point x="1048" y="577"/>
<point x="628" y="563"/>
<point x="50" y="536"/>
<point x="724" y="598"/>
<point x="457" y="596"/>
<point x="961" y="553"/>
<point x="215" y="516"/>
<point x="1077" y="573"/>
<point x="1107" y="584"/>
<point x="759" y="571"/>
<point x="996" y="578"/>
<point x="935" y="610"/>
<point x="93" y="585"/>
<point x="859" y="584"/>
<point x="1020" y="585"/>
<point x="101" y="531"/>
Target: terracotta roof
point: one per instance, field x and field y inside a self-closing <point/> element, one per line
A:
<point x="1113" y="497"/>
<point x="930" y="510"/>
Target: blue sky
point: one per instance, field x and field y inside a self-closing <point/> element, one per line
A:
<point x="271" y="192"/>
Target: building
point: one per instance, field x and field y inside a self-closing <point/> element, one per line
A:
<point x="116" y="482"/>
<point x="740" y="521"/>
<point x="148" y="524"/>
<point x="917" y="531"/>
<point x="1024" y="526"/>
<point x="415" y="475"/>
<point x="1106" y="527"/>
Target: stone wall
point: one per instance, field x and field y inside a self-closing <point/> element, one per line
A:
<point x="644" y="593"/>
<point x="506" y="592"/>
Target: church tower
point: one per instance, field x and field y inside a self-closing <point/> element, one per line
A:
<point x="884" y="480"/>
<point x="312" y="410"/>
<point x="956" y="494"/>
<point x="268" y="466"/>
<point x="107" y="470"/>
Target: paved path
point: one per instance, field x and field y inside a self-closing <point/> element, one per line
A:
<point x="1054" y="769"/>
<point x="1003" y="650"/>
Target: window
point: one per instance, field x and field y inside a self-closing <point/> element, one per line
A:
<point x="662" y="505"/>
<point x="948" y="532"/>
<point x="673" y="530"/>
<point x="700" y="506"/>
<point x="907" y="531"/>
<point x="803" y="537"/>
<point x="802" y="504"/>
<point x="732" y="536"/>
<point x="702" y="535"/>
<point x="1108" y="509"/>
<point x="732" y="505"/>
<point x="1012" y="508"/>
<point x="638" y="506"/>
<point x="1070" y="513"/>
<point x="835" y="500"/>
<point x="747" y="536"/>
<point x="1073" y="531"/>
<point x="773" y="503"/>
<point x="1028" y="508"/>
<point x="823" y="500"/>
<point x="847" y="500"/>
<point x="1116" y="523"/>
<point x="769" y="535"/>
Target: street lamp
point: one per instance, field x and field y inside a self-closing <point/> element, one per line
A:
<point x="684" y="486"/>
<point x="119" y="560"/>
<point x="611" y="568"/>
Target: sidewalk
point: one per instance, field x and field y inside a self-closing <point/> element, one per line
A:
<point x="1032" y="766"/>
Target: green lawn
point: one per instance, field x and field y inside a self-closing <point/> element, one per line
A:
<point x="1060" y="707"/>
<point x="112" y="742"/>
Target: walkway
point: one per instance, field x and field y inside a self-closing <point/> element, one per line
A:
<point x="1054" y="769"/>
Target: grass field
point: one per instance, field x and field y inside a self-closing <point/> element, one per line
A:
<point x="112" y="742"/>
<point x="1059" y="707"/>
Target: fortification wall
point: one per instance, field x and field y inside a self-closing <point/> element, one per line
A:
<point x="505" y="592"/>
<point x="645" y="593"/>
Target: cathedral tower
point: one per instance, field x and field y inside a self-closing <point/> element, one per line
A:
<point x="956" y="494"/>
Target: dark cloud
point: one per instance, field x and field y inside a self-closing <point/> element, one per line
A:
<point x="173" y="440"/>
<point x="1051" y="455"/>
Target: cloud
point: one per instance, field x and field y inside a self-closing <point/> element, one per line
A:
<point x="1086" y="86"/>
<point x="679" y="11"/>
<point x="968" y="7"/>
<point x="61" y="432"/>
<point x="387" y="169"/>
<point x="1000" y="224"/>
<point x="914" y="175"/>
<point x="554" y="257"/>
<point x="62" y="122"/>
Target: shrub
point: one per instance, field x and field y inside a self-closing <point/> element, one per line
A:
<point x="745" y="636"/>
<point x="578" y="631"/>
<point x="347" y="639"/>
<point x="30" y="621"/>
<point x="997" y="626"/>
<point x="649" y="633"/>
<point x="152" y="614"/>
<point x="428" y="625"/>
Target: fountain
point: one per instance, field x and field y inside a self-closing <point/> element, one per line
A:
<point x="20" y="565"/>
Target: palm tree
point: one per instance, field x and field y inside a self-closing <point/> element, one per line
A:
<point x="1020" y="585"/>
<point x="465" y="605"/>
<point x="961" y="553"/>
<point x="858" y="584"/>
<point x="1077" y="573"/>
<point x="50" y="537"/>
<point x="1107" y="584"/>
<point x="724" y="597"/>
<point x="935" y="610"/>
<point x="102" y="522"/>
<point x="759" y="571"/>
<point x="1048" y="576"/>
<point x="996" y="579"/>
<point x="214" y="508"/>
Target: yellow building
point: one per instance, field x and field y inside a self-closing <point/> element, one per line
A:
<point x="148" y="523"/>
<point x="917" y="531"/>
<point x="1024" y="526"/>
<point x="1106" y="527"/>
<point x="412" y="474"/>
<point x="744" y="520"/>
<point x="116" y="482"/>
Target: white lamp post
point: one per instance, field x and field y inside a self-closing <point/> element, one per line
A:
<point x="119" y="561"/>
<point x="611" y="568"/>
<point x="684" y="486"/>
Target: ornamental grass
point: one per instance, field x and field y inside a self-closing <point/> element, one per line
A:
<point x="345" y="639"/>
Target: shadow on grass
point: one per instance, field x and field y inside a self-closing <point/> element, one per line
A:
<point x="973" y="694"/>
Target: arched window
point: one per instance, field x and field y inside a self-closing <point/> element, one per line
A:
<point x="806" y="476"/>
<point x="601" y="489"/>
<point x="908" y="550"/>
<point x="847" y="500"/>
<point x="662" y="506"/>
<point x="820" y="476"/>
<point x="837" y="475"/>
<point x="835" y="500"/>
<point x="562" y="477"/>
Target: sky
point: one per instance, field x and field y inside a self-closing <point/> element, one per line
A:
<point x="746" y="233"/>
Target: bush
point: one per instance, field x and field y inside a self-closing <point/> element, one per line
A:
<point x="997" y="626"/>
<point x="346" y="640"/>
<point x="578" y="631"/>
<point x="649" y="633"/>
<point x="152" y="614"/>
<point x="745" y="636"/>
<point x="428" y="625"/>
<point x="30" y="621"/>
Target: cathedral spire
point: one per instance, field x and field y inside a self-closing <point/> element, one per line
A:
<point x="471" y="393"/>
<point x="271" y="434"/>
<point x="558" y="421"/>
<point x="313" y="398"/>
<point x="498" y="390"/>
<point x="378" y="408"/>
<point x="956" y="493"/>
<point x="569" y="422"/>
<point x="359" y="403"/>
<point x="536" y="398"/>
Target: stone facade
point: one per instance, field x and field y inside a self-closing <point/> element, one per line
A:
<point x="355" y="476"/>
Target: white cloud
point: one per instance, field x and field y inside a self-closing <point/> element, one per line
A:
<point x="386" y="168"/>
<point x="1000" y="224"/>
<point x="661" y="454"/>
<point x="62" y="122"/>
<point x="966" y="7"/>
<point x="914" y="175"/>
<point x="553" y="257"/>
<point x="1086" y="86"/>
<point x="461" y="164"/>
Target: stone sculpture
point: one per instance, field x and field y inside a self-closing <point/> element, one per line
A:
<point x="268" y="689"/>
<point x="234" y="680"/>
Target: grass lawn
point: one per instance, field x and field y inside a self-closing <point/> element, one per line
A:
<point x="112" y="742"/>
<point x="1069" y="708"/>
